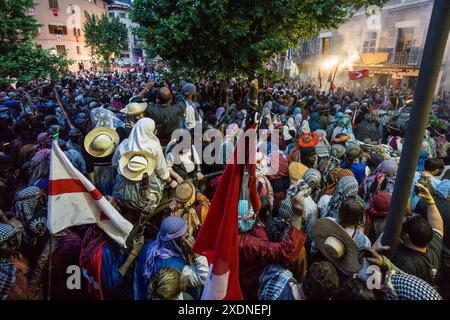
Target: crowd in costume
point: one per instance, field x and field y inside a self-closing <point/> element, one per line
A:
<point x="325" y="184"/>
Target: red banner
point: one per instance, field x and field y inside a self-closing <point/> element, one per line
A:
<point x="356" y="75"/>
<point x="55" y="12"/>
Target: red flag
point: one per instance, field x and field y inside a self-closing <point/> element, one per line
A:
<point x="356" y="75"/>
<point x="330" y="77"/>
<point x="333" y="87"/>
<point x="218" y="236"/>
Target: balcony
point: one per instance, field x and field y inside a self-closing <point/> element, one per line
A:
<point x="389" y="57"/>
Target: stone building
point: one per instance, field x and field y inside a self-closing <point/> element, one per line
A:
<point x="134" y="54"/>
<point x="62" y="27"/>
<point x="389" y="43"/>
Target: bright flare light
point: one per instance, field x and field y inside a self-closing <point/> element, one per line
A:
<point x="330" y="63"/>
<point x="352" y="58"/>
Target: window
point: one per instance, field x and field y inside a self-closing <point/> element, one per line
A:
<point x="370" y="41"/>
<point x="39" y="46"/>
<point x="122" y="15"/>
<point x="111" y="14"/>
<point x="86" y="14"/>
<point x="326" y="45"/>
<point x="95" y="1"/>
<point x="78" y="50"/>
<point x="60" y="48"/>
<point x="53" y="4"/>
<point x="52" y="29"/>
<point x="76" y="32"/>
<point x="305" y="47"/>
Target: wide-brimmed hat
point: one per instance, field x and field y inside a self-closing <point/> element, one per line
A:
<point x="336" y="245"/>
<point x="101" y="142"/>
<point x="133" y="164"/>
<point x="134" y="108"/>
<point x="185" y="192"/>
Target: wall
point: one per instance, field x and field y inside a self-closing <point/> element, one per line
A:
<point x="72" y="14"/>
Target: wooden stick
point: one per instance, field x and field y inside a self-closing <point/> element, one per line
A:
<point x="63" y="110"/>
<point x="50" y="259"/>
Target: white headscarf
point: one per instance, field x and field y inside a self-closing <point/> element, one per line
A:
<point x="142" y="138"/>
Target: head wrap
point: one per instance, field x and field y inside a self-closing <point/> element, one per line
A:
<point x="308" y="139"/>
<point x="165" y="246"/>
<point x="246" y="218"/>
<point x="188" y="89"/>
<point x="423" y="156"/>
<point x="338" y="151"/>
<point x="312" y="176"/>
<point x="25" y="202"/>
<point x="443" y="189"/>
<point x="274" y="283"/>
<point x="280" y="224"/>
<point x="278" y="165"/>
<point x="379" y="207"/>
<point x="219" y="112"/>
<point x="7" y="269"/>
<point x="403" y="286"/>
<point x="346" y="187"/>
<point x="296" y="171"/>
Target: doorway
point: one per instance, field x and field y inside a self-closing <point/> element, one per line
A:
<point x="404" y="45"/>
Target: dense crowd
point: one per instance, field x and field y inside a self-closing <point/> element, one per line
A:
<point x="326" y="165"/>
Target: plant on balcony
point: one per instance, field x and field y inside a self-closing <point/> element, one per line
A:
<point x="234" y="37"/>
<point x="106" y="37"/>
<point x="20" y="59"/>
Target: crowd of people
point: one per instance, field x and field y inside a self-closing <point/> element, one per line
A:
<point x="325" y="185"/>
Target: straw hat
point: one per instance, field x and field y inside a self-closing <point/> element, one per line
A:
<point x="101" y="142"/>
<point x="185" y="193"/>
<point x="336" y="245"/>
<point x="133" y="164"/>
<point x="134" y="108"/>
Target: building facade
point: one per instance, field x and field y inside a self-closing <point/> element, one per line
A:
<point x="61" y="27"/>
<point x="389" y="43"/>
<point x="134" y="54"/>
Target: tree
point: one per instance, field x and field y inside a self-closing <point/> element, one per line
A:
<point x="234" y="37"/>
<point x="106" y="37"/>
<point x="19" y="57"/>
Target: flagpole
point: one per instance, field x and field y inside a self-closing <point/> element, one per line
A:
<point x="63" y="110"/>
<point x="334" y="76"/>
<point x="50" y="260"/>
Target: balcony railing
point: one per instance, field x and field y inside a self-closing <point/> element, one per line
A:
<point x="379" y="57"/>
<point x="390" y="57"/>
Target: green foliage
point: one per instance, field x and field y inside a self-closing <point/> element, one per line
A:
<point x="106" y="37"/>
<point x="234" y="37"/>
<point x="19" y="57"/>
<point x="26" y="62"/>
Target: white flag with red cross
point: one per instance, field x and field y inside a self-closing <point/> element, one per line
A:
<point x="73" y="200"/>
